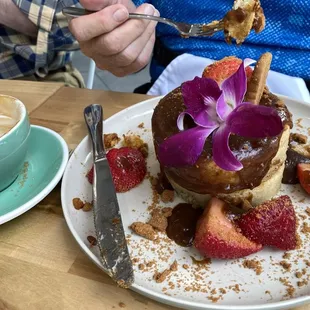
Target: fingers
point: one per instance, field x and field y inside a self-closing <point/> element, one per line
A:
<point x="120" y="38"/>
<point x="142" y="60"/>
<point x="88" y="27"/>
<point x="129" y="55"/>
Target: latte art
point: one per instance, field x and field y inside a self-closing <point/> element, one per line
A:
<point x="9" y="115"/>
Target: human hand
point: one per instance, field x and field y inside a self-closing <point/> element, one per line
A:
<point x="116" y="43"/>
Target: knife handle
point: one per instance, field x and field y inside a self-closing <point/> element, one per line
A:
<point x="93" y="118"/>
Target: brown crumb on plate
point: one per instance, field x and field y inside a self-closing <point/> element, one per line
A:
<point x="77" y="203"/>
<point x="143" y="230"/>
<point x="287" y="266"/>
<point x="110" y="140"/>
<point x="253" y="264"/>
<point x="87" y="207"/>
<point x="122" y="305"/>
<point x="92" y="240"/>
<point x="141" y="125"/>
<point x="158" y="221"/>
<point x="167" y="196"/>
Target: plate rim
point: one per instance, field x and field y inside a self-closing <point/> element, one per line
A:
<point x="49" y="187"/>
<point x="173" y="301"/>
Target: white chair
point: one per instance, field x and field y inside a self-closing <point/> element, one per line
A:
<point x="91" y="74"/>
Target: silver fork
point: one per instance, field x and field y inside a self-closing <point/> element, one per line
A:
<point x="186" y="30"/>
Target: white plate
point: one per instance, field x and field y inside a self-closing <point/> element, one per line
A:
<point x="222" y="274"/>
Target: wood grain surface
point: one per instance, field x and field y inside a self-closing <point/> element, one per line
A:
<point x="41" y="265"/>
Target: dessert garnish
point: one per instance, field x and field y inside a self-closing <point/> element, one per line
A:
<point x="220" y="111"/>
<point x="256" y="83"/>
<point x="128" y="168"/>
<point x="273" y="223"/>
<point x="217" y="236"/>
<point x="224" y="68"/>
<point x="303" y="171"/>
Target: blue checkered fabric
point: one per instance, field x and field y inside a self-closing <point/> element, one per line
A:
<point x="286" y="35"/>
<point x="21" y="55"/>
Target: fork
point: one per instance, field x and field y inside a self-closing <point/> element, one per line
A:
<point x="185" y="30"/>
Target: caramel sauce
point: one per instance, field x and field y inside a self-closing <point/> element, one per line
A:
<point x="182" y="224"/>
<point x="292" y="160"/>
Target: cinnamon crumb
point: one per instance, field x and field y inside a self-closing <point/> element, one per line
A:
<point x="167" y="196"/>
<point x="158" y="221"/>
<point x="214" y="299"/>
<point x="141" y="266"/>
<point x="150" y="264"/>
<point x="87" y="207"/>
<point x="305" y="228"/>
<point x="143" y="230"/>
<point x="160" y="277"/>
<point x="167" y="211"/>
<point x="122" y="305"/>
<point x="185" y="266"/>
<point x="287" y="266"/>
<point x="141" y="125"/>
<point x="77" y="203"/>
<point x="286" y="255"/>
<point x="136" y="142"/>
<point x="135" y="260"/>
<point x="298" y="123"/>
<point x="110" y="140"/>
<point x="174" y="266"/>
<point x="253" y="264"/>
<point x="298" y="274"/>
<point x="222" y="290"/>
<point x="92" y="240"/>
<point x="308" y="211"/>
<point x="299" y="138"/>
<point x="267" y="292"/>
<point x="302" y="283"/>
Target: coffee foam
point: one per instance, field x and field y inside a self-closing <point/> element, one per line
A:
<point x="10" y="113"/>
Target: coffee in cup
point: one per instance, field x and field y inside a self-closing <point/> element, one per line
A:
<point x="9" y="115"/>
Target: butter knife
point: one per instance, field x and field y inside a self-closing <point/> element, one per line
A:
<point x="108" y="222"/>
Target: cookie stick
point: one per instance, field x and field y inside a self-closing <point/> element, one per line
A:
<point x="258" y="79"/>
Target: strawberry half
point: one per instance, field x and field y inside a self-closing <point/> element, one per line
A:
<point x="303" y="172"/>
<point x="224" y="68"/>
<point x="272" y="223"/>
<point x="128" y="168"/>
<point x="218" y="237"/>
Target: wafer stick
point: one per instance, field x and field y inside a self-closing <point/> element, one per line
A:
<point x="258" y="79"/>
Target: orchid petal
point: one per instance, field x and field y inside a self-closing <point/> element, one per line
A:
<point x="194" y="93"/>
<point x="222" y="108"/>
<point x="183" y="148"/>
<point x="222" y="155"/>
<point x="234" y="87"/>
<point x="254" y="121"/>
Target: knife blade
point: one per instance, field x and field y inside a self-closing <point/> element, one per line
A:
<point x="107" y="218"/>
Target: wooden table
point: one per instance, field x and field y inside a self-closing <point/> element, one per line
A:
<point x="41" y="265"/>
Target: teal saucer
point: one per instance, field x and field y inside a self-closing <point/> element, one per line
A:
<point x="43" y="168"/>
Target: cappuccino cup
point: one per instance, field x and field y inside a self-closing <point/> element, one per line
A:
<point x="14" y="135"/>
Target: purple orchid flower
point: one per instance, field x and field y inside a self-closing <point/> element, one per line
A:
<point x="217" y="111"/>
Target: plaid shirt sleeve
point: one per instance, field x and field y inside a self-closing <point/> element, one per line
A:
<point x="51" y="50"/>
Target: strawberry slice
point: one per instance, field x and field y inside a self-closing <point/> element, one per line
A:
<point x="272" y="223"/>
<point x="218" y="237"/>
<point x="224" y="68"/>
<point x="303" y="172"/>
<point x="128" y="168"/>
